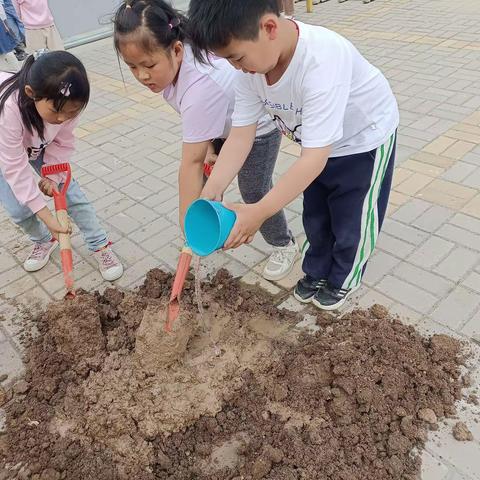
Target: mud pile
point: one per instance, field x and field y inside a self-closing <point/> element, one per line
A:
<point x="235" y="394"/>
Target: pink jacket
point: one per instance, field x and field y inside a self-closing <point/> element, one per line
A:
<point x="18" y="146"/>
<point x="34" y="14"/>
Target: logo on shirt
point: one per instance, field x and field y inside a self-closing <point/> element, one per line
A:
<point x="295" y="135"/>
<point x="35" y="152"/>
<point x="282" y="106"/>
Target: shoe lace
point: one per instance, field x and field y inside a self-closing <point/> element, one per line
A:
<point x="279" y="256"/>
<point x="108" y="258"/>
<point x="38" y="251"/>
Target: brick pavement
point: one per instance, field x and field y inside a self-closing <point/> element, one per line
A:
<point x="427" y="265"/>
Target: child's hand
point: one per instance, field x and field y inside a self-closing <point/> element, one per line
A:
<point x="249" y="219"/>
<point x="47" y="186"/>
<point x="45" y="215"/>
<point x="211" y="192"/>
<point x="211" y="156"/>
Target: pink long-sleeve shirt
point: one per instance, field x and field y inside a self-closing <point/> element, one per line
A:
<point x="35" y="14"/>
<point x="18" y="146"/>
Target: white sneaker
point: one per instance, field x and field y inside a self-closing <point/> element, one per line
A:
<point x="281" y="262"/>
<point x="108" y="264"/>
<point x="39" y="256"/>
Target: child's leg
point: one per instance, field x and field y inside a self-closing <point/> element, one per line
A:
<point x="358" y="208"/>
<point x="255" y="181"/>
<point x="317" y="223"/>
<point x="23" y="216"/>
<point x="54" y="40"/>
<point x="84" y="216"/>
<point x="35" y="39"/>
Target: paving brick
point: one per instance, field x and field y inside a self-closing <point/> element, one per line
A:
<point x="472" y="327"/>
<point x="473" y="281"/>
<point x="155" y="243"/>
<point x="457" y="308"/>
<point x="424" y="168"/>
<point x="433" y="218"/>
<point x="414" y="184"/>
<point x="448" y="194"/>
<point x="6" y="261"/>
<point x="473" y="158"/>
<point x="142" y="214"/>
<point x="473" y="180"/>
<point x="129" y="251"/>
<point x="124" y="223"/>
<point x="473" y="207"/>
<point x="253" y="278"/>
<point x="247" y="255"/>
<point x="458" y="172"/>
<point x="463" y="455"/>
<point x="20" y="286"/>
<point x="408" y="294"/>
<point x="404" y="314"/>
<point x="10" y="362"/>
<point x="457" y="264"/>
<point x="404" y="232"/>
<point x="379" y="265"/>
<point x="461" y="236"/>
<point x="370" y="296"/>
<point x="411" y="210"/>
<point x="394" y="246"/>
<point x="424" y="279"/>
<point x="236" y="269"/>
<point x="459" y="149"/>
<point x="155" y="227"/>
<point x="134" y="274"/>
<point x="433" y="468"/>
<point x="11" y="275"/>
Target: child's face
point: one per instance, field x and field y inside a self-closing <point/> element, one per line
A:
<point x="257" y="56"/>
<point x="156" y="70"/>
<point x="47" y="112"/>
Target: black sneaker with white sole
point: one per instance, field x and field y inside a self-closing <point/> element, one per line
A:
<point x="331" y="298"/>
<point x="307" y="287"/>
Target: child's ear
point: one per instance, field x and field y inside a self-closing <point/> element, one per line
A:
<point x="178" y="49"/>
<point x="270" y="24"/>
<point x="29" y="91"/>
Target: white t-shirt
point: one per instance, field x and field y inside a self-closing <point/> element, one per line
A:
<point x="329" y="95"/>
<point x="204" y="96"/>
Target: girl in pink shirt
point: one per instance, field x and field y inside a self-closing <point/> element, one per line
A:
<point x="40" y="29"/>
<point x="152" y="38"/>
<point x="39" y="109"/>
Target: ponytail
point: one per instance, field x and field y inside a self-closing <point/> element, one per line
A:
<point x="158" y="23"/>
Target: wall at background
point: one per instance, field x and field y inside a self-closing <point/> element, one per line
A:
<point x="83" y="21"/>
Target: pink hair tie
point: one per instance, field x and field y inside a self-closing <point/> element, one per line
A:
<point x="171" y="26"/>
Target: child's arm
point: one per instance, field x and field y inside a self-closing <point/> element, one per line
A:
<point x="294" y="182"/>
<point x="18" y="173"/>
<point x="229" y="162"/>
<point x="190" y="175"/>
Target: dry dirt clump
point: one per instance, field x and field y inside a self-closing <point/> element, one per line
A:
<point x="108" y="396"/>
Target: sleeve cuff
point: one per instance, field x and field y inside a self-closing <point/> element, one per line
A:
<point x="37" y="203"/>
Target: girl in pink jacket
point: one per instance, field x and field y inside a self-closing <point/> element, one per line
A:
<point x="39" y="109"/>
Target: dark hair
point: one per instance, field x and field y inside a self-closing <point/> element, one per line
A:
<point x="49" y="76"/>
<point x="214" y="24"/>
<point x="160" y="24"/>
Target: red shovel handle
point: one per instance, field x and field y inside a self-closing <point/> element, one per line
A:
<point x="177" y="287"/>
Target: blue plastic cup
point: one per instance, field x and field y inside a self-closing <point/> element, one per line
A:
<point x="207" y="226"/>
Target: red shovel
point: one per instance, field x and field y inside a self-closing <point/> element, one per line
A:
<point x="173" y="308"/>
<point x="60" y="200"/>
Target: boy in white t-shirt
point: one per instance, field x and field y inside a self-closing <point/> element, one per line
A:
<point x="326" y="97"/>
